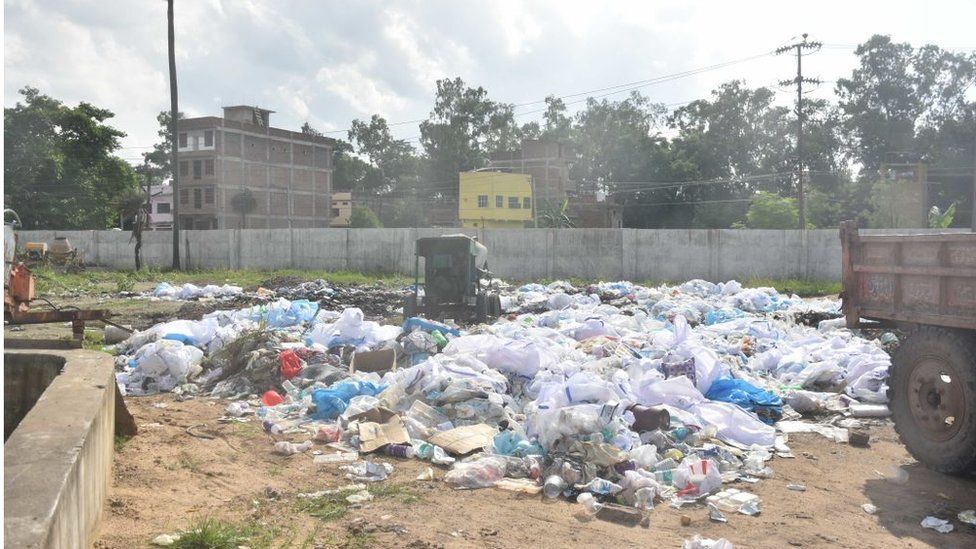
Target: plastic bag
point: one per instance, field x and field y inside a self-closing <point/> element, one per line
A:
<point x="290" y="364"/>
<point x="331" y="402"/>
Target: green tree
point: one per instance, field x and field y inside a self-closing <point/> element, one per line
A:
<point x="768" y="211"/>
<point x="243" y="202"/>
<point x="59" y="172"/>
<point x="160" y="159"/>
<point x="899" y="98"/>
<point x="462" y="130"/>
<point x="941" y="220"/>
<point x="394" y="159"/>
<point x="363" y="218"/>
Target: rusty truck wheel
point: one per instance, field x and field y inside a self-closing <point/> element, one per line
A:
<point x="932" y="389"/>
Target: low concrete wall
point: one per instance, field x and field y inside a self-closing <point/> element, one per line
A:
<point x="518" y="254"/>
<point x="58" y="461"/>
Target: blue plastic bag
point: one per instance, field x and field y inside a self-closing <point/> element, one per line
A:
<point x="331" y="402"/>
<point x="509" y="443"/>
<point x="428" y="326"/>
<point x="767" y="406"/>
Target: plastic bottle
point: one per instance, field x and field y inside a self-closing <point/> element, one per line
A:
<point x="294" y="394"/>
<point x="439" y="338"/>
<point x="272" y="427"/>
<point x="399" y="450"/>
<point x="590" y="505"/>
<point x="600" y="486"/>
<point x="553" y="486"/>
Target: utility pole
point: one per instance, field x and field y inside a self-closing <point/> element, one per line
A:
<point x="799" y="80"/>
<point x="174" y="116"/>
<point x="145" y="167"/>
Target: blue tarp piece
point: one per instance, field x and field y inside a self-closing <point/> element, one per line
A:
<point x="331" y="402"/>
<point x="428" y="326"/>
<point x="767" y="406"/>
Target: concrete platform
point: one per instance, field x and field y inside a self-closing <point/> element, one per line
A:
<point x="58" y="460"/>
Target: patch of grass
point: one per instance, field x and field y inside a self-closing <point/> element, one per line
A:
<point x="104" y="281"/>
<point x="335" y="506"/>
<point x="358" y="541"/>
<point x="212" y="533"/>
<point x="398" y="491"/>
<point x="188" y="462"/>
<point x="94" y="340"/>
<point x="120" y="442"/>
<point x="802" y="288"/>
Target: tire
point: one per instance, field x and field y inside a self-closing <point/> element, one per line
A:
<point x="409" y="306"/>
<point x="494" y="306"/>
<point x="932" y="391"/>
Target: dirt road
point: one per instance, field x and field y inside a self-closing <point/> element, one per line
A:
<point x="165" y="478"/>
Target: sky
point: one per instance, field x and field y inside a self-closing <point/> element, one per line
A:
<point x="329" y="62"/>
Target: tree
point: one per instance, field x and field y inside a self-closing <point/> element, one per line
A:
<point x="899" y="98"/>
<point x="941" y="220"/>
<point x="768" y="211"/>
<point x="462" y="130"/>
<point x="132" y="204"/>
<point x="243" y="202"/>
<point x="59" y="171"/>
<point x="364" y="218"/>
<point x="160" y="159"/>
<point x="393" y="158"/>
<point x="556" y="217"/>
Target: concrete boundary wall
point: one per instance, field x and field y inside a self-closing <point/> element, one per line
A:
<point x="518" y="254"/>
<point x="58" y="461"/>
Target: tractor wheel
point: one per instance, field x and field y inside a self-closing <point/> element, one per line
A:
<point x="494" y="306"/>
<point x="409" y="306"/>
<point x="932" y="391"/>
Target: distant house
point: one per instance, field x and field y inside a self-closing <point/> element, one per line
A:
<point x="161" y="207"/>
<point x="495" y="200"/>
<point x="341" y="209"/>
<point x="288" y="173"/>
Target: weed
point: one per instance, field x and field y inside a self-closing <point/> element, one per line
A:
<point x="398" y="491"/>
<point x="188" y="462"/>
<point x="125" y="283"/>
<point x="358" y="541"/>
<point x="212" y="533"/>
<point x="120" y="442"/>
<point x="94" y="340"/>
<point x="275" y="470"/>
<point x="802" y="288"/>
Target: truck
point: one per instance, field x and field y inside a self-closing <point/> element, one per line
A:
<point x="925" y="285"/>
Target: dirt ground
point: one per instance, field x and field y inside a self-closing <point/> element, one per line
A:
<point x="166" y="478"/>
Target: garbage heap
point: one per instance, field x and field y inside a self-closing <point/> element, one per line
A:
<point x="618" y="395"/>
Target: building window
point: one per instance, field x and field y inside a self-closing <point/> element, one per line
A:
<point x="197" y="198"/>
<point x="208" y="138"/>
<point x="208" y="195"/>
<point x="335" y="212"/>
<point x="184" y="196"/>
<point x="513" y="202"/>
<point x="162" y="208"/>
<point x="197" y="169"/>
<point x="499" y="201"/>
<point x="184" y="168"/>
<point x="183" y="140"/>
<point x="527" y="203"/>
<point x="482" y="200"/>
<point x="208" y="167"/>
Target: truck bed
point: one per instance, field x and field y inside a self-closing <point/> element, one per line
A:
<point x="909" y="278"/>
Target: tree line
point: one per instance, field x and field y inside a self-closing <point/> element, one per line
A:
<point x="727" y="160"/>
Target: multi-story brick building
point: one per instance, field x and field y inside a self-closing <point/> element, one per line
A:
<point x="289" y="174"/>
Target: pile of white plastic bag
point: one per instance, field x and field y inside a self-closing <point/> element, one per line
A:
<point x="188" y="291"/>
<point x="557" y="379"/>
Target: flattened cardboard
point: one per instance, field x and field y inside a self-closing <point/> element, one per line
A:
<point x="464" y="440"/>
<point x="373" y="436"/>
<point x="383" y="360"/>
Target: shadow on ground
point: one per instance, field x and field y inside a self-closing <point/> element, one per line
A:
<point x="902" y="506"/>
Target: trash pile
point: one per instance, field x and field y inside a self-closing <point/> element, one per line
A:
<point x="374" y="300"/>
<point x="616" y="395"/>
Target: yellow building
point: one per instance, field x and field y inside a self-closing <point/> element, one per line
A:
<point x="495" y="200"/>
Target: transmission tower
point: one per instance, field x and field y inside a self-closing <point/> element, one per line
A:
<point x="799" y="48"/>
